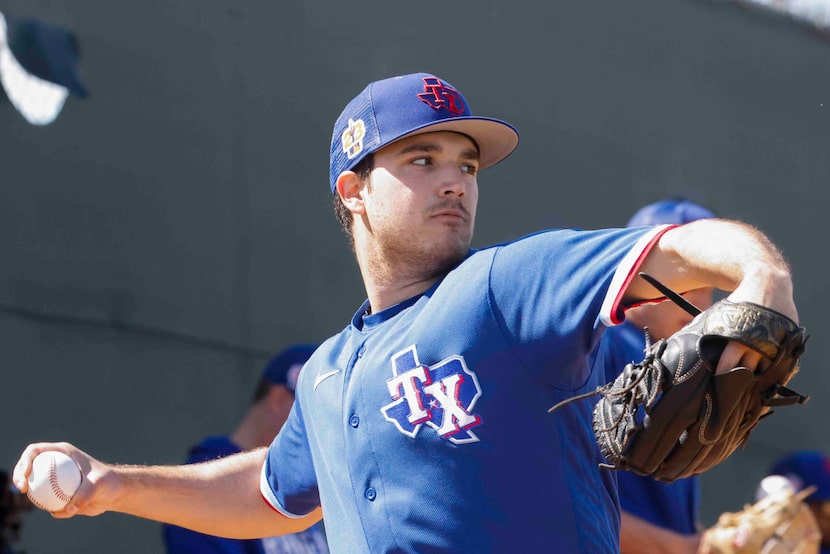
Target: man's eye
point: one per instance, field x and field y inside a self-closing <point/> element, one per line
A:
<point x="469" y="168"/>
<point x="421" y="161"/>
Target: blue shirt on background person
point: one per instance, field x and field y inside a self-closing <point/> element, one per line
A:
<point x="673" y="506"/>
<point x="271" y="402"/>
<point x="656" y="516"/>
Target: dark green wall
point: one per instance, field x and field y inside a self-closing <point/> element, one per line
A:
<point x="161" y="238"/>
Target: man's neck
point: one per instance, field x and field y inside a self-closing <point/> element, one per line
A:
<point x="390" y="281"/>
<point x="383" y="293"/>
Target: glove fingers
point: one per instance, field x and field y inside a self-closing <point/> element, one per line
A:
<point x="610" y="432"/>
<point x="785" y="365"/>
<point x="673" y="413"/>
<point x="614" y="420"/>
<point x="716" y="434"/>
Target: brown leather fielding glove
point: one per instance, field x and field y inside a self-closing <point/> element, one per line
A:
<point x="670" y="416"/>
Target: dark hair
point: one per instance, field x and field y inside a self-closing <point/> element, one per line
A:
<point x="264" y="387"/>
<point x="261" y="390"/>
<point x="344" y="216"/>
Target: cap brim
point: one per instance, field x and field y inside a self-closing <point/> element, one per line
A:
<point x="37" y="100"/>
<point x="496" y="139"/>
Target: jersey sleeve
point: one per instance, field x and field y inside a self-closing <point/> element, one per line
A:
<point x="555" y="291"/>
<point x="288" y="482"/>
<point x="611" y="312"/>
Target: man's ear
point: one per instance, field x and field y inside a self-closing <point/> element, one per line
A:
<point x="349" y="188"/>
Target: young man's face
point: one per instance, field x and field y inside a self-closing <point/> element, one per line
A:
<point x="421" y="202"/>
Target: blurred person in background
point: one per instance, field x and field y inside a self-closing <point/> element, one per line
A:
<point x="805" y="468"/>
<point x="271" y="402"/>
<point x="657" y="517"/>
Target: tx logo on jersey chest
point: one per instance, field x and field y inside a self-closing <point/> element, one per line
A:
<point x="442" y="396"/>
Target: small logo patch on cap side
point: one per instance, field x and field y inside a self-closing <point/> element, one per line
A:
<point x="352" y="138"/>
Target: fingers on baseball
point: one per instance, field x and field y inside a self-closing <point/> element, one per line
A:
<point x="23" y="468"/>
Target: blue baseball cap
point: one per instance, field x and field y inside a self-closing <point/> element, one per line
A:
<point x="674" y="211"/>
<point x="284" y="368"/>
<point x="47" y="51"/>
<point x="399" y="107"/>
<point x="805" y="468"/>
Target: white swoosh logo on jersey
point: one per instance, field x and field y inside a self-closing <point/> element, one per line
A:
<point x="323" y="377"/>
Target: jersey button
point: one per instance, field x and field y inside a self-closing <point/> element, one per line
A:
<point x="361" y="352"/>
<point x="371" y="494"/>
<point x="354" y="421"/>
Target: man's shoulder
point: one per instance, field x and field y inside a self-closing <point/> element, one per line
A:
<point x="566" y="238"/>
<point x="547" y="233"/>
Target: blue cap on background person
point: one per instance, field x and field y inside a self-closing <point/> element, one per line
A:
<point x="38" y="67"/>
<point x="398" y="107"/>
<point x="284" y="367"/>
<point x="674" y="211"/>
<point x="803" y="469"/>
<point x="47" y="51"/>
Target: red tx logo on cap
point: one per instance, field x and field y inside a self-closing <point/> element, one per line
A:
<point x="437" y="95"/>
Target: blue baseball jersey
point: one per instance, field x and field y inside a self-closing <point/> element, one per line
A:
<point x="425" y="427"/>
<point x="674" y="505"/>
<point x="178" y="540"/>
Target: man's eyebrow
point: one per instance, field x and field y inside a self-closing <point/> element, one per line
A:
<point x="420" y="147"/>
<point x="470" y="153"/>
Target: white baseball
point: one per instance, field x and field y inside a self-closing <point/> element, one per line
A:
<point x="54" y="479"/>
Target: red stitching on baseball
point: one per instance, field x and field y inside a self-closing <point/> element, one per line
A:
<point x="38" y="504"/>
<point x="53" y="482"/>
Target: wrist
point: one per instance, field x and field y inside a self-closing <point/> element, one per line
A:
<point x="771" y="287"/>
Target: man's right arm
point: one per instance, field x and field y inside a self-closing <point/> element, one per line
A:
<point x="221" y="497"/>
